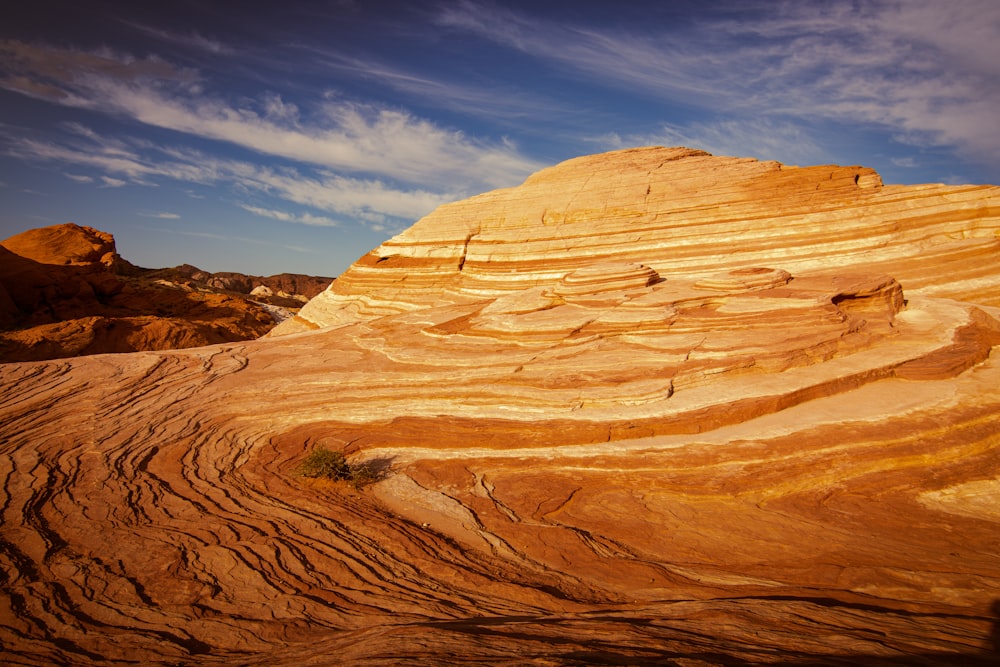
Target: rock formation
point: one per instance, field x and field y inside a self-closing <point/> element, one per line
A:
<point x="649" y="407"/>
<point x="295" y="288"/>
<point x="65" y="291"/>
<point x="67" y="244"/>
<point x="682" y="213"/>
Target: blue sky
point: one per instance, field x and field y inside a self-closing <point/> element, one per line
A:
<point x="265" y="137"/>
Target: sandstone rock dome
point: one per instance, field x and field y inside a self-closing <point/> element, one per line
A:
<point x="649" y="407"/>
<point x="681" y="212"/>
<point x="63" y="244"/>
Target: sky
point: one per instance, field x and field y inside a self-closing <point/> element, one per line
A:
<point x="295" y="136"/>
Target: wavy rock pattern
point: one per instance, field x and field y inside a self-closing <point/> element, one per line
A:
<point x="600" y="457"/>
<point x="683" y="213"/>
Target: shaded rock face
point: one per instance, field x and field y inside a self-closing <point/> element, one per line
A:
<point x="65" y="291"/>
<point x="764" y="454"/>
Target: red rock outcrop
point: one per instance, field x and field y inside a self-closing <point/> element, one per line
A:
<point x="63" y="244"/>
<point x="761" y="454"/>
<point x="65" y="291"/>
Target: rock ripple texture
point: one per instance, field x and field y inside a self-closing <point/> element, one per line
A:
<point x="682" y="213"/>
<point x="650" y="407"/>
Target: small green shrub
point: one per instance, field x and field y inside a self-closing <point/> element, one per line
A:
<point x="323" y="462"/>
<point x="328" y="464"/>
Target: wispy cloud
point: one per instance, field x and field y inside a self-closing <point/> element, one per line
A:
<point x="109" y="182"/>
<point x="192" y="40"/>
<point x="284" y="216"/>
<point x="70" y="76"/>
<point x="372" y="202"/>
<point x="231" y="238"/>
<point x="369" y="200"/>
<point x="658" y="64"/>
<point x="504" y="103"/>
<point x="104" y="158"/>
<point x="79" y="178"/>
<point x="341" y="135"/>
<point x="758" y="137"/>
<point x="928" y="70"/>
<point x="160" y="215"/>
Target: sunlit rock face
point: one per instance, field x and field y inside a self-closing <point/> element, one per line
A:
<point x="67" y="244"/>
<point x="650" y="407"/>
<point x="682" y="213"/>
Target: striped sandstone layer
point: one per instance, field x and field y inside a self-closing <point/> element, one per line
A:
<point x="756" y="455"/>
<point x="683" y="213"/>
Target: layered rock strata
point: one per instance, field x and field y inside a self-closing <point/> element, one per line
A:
<point x="682" y="213"/>
<point x="606" y="459"/>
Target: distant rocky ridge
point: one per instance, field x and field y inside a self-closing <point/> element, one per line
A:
<point x="649" y="407"/>
<point x="289" y="289"/>
<point x="65" y="291"/>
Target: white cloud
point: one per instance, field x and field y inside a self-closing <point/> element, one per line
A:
<point x="656" y="64"/>
<point x="927" y="70"/>
<point x="284" y="216"/>
<point x="769" y="139"/>
<point x="79" y="178"/>
<point x="362" y="199"/>
<point x="269" y="213"/>
<point x="161" y="215"/>
<point x="335" y="134"/>
<point x="372" y="202"/>
<point x="366" y="199"/>
<point x="67" y="76"/>
<point x="112" y="160"/>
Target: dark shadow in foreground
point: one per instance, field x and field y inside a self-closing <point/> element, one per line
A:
<point x="541" y="639"/>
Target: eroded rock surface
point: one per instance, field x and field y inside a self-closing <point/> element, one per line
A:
<point x="682" y="213"/>
<point x="587" y="456"/>
<point x="65" y="291"/>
